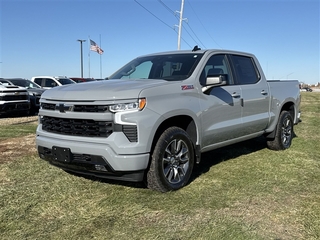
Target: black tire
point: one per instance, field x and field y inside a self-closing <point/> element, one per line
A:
<point x="32" y="111"/>
<point x="284" y="133"/>
<point x="172" y="161"/>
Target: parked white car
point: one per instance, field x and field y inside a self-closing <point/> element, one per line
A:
<point x="48" y="82"/>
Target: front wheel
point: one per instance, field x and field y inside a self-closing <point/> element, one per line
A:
<point x="284" y="133"/>
<point x="172" y="161"/>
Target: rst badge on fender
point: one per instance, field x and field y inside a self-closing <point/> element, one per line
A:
<point x="187" y="87"/>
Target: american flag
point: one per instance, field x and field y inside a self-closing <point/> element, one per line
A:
<point x="94" y="47"/>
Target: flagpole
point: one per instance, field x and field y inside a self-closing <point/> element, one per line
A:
<point x="100" y="59"/>
<point x="89" y="55"/>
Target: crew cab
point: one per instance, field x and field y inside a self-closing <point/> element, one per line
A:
<point x="48" y="82"/>
<point x="154" y="117"/>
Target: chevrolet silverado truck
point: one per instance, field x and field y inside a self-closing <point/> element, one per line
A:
<point x="154" y="117"/>
<point x="13" y="99"/>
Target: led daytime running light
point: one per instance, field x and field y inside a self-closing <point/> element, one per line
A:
<point x="121" y="107"/>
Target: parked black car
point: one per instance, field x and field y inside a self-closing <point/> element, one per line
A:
<point x="307" y="89"/>
<point x="34" y="90"/>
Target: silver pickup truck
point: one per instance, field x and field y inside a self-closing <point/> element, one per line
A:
<point x="153" y="118"/>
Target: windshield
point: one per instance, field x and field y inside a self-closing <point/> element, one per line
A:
<point x="24" y="83"/>
<point x="171" y="67"/>
<point x="5" y="82"/>
<point x="65" y="81"/>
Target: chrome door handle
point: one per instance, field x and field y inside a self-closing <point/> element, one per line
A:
<point x="235" y="95"/>
<point x="263" y="92"/>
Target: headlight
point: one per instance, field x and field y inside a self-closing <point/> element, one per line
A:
<point x="131" y="106"/>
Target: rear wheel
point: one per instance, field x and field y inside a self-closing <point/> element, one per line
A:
<point x="284" y="133"/>
<point x="171" y="162"/>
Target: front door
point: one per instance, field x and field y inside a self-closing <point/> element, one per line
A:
<point x="221" y="115"/>
<point x="221" y="118"/>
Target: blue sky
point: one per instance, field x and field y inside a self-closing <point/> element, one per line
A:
<point x="39" y="37"/>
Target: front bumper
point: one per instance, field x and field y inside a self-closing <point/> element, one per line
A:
<point x="14" y="107"/>
<point x="92" y="159"/>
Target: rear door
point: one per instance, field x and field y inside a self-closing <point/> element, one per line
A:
<point x="255" y="95"/>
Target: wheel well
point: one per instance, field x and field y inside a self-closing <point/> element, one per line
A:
<point x="183" y="121"/>
<point x="289" y="106"/>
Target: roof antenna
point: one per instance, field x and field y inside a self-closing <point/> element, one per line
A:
<point x="196" y="48"/>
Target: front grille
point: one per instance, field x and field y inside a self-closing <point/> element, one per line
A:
<point x="131" y="132"/>
<point x="14" y="97"/>
<point x="77" y="127"/>
<point x="48" y="106"/>
<point x="90" y="108"/>
<point x="78" y="108"/>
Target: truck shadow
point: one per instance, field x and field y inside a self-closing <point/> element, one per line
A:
<point x="208" y="160"/>
<point x="214" y="157"/>
<point x="217" y="156"/>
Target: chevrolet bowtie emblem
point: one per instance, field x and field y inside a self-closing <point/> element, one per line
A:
<point x="63" y="108"/>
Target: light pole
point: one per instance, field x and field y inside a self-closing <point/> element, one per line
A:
<point x="81" y="55"/>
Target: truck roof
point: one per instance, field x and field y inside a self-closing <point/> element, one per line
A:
<point x="201" y="51"/>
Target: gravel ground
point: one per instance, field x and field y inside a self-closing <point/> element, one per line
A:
<point x="16" y="120"/>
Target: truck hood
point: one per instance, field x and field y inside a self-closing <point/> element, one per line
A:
<point x="102" y="90"/>
<point x="36" y="91"/>
<point x="11" y="88"/>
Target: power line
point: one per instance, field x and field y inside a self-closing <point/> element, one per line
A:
<point x="195" y="35"/>
<point x="166" y="7"/>
<point x="203" y="25"/>
<point x="153" y="15"/>
<point x="162" y="20"/>
<point x="180" y="22"/>
<point x="174" y="13"/>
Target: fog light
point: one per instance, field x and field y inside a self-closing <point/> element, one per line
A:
<point x="100" y="168"/>
<point x="40" y="119"/>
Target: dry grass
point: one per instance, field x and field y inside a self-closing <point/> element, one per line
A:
<point x="17" y="147"/>
<point x="244" y="191"/>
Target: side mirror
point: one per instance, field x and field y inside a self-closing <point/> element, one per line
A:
<point x="215" y="80"/>
<point x="220" y="79"/>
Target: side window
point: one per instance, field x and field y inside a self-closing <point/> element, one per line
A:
<point x="216" y="65"/>
<point x="38" y="81"/>
<point x="50" y="83"/>
<point x="245" y="69"/>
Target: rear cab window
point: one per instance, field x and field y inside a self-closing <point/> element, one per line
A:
<point x="245" y="70"/>
<point x="38" y="81"/>
<point x="50" y="83"/>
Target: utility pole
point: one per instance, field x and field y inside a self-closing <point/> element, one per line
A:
<point x="81" y="55"/>
<point x="180" y="24"/>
